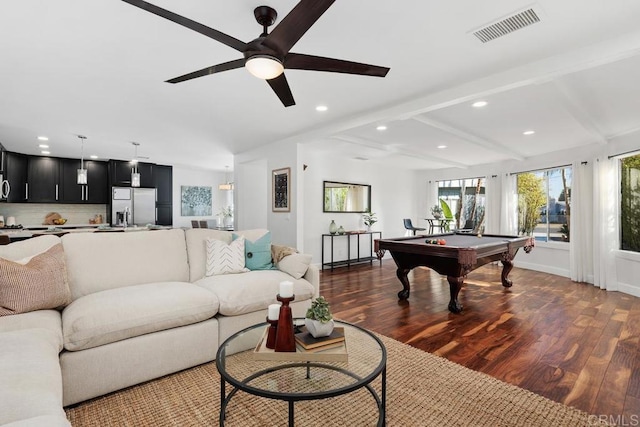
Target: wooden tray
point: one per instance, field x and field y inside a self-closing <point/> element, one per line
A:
<point x="335" y="354"/>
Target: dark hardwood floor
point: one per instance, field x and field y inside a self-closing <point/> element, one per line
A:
<point x="571" y="342"/>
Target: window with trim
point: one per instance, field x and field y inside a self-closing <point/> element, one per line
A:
<point x="544" y="204"/>
<point x="630" y="203"/>
<point x="463" y="200"/>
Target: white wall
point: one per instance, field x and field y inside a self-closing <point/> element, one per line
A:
<point x="392" y="199"/>
<point x="195" y="177"/>
<point x="254" y="169"/>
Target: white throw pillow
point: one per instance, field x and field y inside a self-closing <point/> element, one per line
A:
<point x="225" y="259"/>
<point x="295" y="265"/>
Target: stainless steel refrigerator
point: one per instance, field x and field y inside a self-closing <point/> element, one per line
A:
<point x="136" y="206"/>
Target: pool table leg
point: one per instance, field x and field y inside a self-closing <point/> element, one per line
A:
<point x="455" y="284"/>
<point x="406" y="287"/>
<point x="507" y="266"/>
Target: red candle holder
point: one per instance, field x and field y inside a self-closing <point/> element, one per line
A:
<point x="271" y="334"/>
<point x="285" y="338"/>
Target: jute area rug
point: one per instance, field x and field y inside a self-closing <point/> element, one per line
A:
<point x="422" y="390"/>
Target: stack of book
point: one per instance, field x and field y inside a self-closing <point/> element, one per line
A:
<point x="307" y="343"/>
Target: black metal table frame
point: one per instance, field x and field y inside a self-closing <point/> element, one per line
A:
<point x="350" y="260"/>
<point x="291" y="398"/>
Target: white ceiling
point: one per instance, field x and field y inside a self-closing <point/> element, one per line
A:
<point x="98" y="68"/>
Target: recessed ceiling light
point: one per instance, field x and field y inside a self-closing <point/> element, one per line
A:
<point x="381" y="127"/>
<point x="93" y="156"/>
<point x="528" y="132"/>
<point x="45" y="152"/>
<point x="442" y="146"/>
<point x="43" y="146"/>
<point x="479" y="104"/>
<point x="322" y="108"/>
<point x="43" y="138"/>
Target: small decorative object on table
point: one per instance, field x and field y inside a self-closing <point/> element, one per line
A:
<point x="285" y="338"/>
<point x="341" y="230"/>
<point x="436" y="211"/>
<point x="369" y="219"/>
<point x="319" y="321"/>
<point x="272" y="319"/>
<point x="333" y="228"/>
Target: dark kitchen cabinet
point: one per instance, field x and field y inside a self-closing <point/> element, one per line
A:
<point x="164" y="183"/>
<point x="120" y="173"/>
<point x="43" y="175"/>
<point x="164" y="189"/>
<point x="14" y="168"/>
<point x="95" y="191"/>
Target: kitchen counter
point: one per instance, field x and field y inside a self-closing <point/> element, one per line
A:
<point x="59" y="230"/>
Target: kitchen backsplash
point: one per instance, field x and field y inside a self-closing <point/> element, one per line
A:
<point x="33" y="214"/>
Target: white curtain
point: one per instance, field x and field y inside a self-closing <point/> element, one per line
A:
<point x="493" y="197"/>
<point x="606" y="236"/>
<point x="432" y="198"/>
<point x="509" y="205"/>
<point x="581" y="223"/>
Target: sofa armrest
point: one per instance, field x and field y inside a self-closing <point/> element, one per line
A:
<point x="313" y="276"/>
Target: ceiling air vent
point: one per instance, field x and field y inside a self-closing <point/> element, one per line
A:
<point x="507" y="25"/>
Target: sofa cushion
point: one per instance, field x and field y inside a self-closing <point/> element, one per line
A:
<point x="27" y="248"/>
<point x="37" y="282"/>
<point x="101" y="261"/>
<point x="31" y="378"/>
<point x="257" y="253"/>
<point x="225" y="258"/>
<point x="278" y="252"/>
<point x="117" y="314"/>
<point x="50" y="320"/>
<point x="252" y="291"/>
<point x="296" y="265"/>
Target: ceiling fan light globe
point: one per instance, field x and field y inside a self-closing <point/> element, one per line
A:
<point x="264" y="67"/>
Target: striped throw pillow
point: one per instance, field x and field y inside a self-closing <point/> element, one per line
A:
<point x="34" y="283"/>
<point x="225" y="259"/>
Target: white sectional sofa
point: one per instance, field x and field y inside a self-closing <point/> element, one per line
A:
<point x="141" y="306"/>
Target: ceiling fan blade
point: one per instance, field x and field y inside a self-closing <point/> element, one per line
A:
<point x="193" y="25"/>
<point x="281" y="87"/>
<point x="296" y="23"/>
<point x="226" y="66"/>
<point x="297" y="61"/>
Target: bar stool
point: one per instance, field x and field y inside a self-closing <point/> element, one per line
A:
<point x="409" y="226"/>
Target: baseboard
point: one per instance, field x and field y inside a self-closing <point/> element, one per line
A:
<point x="543" y="268"/>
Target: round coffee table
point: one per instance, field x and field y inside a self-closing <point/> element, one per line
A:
<point x="296" y="381"/>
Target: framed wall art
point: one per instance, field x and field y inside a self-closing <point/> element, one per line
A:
<point x="281" y="190"/>
<point x="195" y="201"/>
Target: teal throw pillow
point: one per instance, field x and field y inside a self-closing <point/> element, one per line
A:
<point x="257" y="255"/>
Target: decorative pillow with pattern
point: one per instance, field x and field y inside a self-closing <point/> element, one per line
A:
<point x="225" y="259"/>
<point x="37" y="282"/>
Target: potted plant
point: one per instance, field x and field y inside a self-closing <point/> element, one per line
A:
<point x="369" y="219"/>
<point x="436" y="211"/>
<point x="319" y="321"/>
<point x="227" y="216"/>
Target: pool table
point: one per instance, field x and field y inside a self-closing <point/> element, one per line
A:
<point x="460" y="254"/>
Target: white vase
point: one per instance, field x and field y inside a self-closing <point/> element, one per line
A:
<point x="318" y="329"/>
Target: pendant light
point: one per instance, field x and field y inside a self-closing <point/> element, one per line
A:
<point x="227" y="185"/>
<point x="82" y="172"/>
<point x="135" y="175"/>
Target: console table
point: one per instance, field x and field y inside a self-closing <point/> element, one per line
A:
<point x="358" y="259"/>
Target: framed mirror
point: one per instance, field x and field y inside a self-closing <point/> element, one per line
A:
<point x="346" y="197"/>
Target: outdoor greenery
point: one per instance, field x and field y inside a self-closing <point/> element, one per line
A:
<point x="630" y="203"/>
<point x="319" y="310"/>
<point x="336" y="198"/>
<point x="446" y="210"/>
<point x="531" y="197"/>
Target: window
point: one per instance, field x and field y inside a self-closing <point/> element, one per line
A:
<point x="544" y="204"/>
<point x="465" y="200"/>
<point x="630" y="203"/>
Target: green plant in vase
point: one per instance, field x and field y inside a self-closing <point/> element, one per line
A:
<point x="319" y="320"/>
<point x="436" y="211"/>
<point x="369" y="218"/>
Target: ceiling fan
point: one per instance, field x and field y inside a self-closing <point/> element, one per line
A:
<point x="267" y="56"/>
